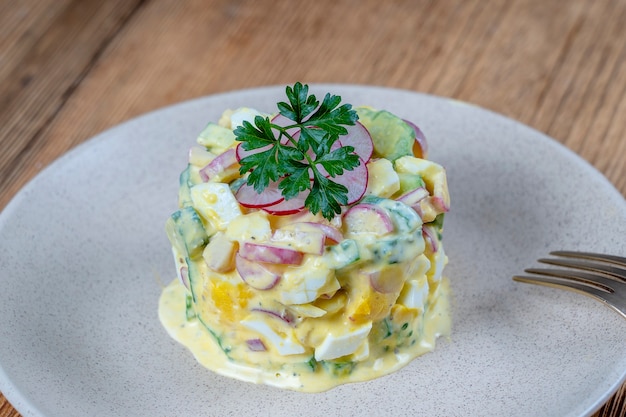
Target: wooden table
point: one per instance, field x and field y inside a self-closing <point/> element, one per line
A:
<point x="70" y="69"/>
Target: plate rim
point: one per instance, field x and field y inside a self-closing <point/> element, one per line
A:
<point x="16" y="396"/>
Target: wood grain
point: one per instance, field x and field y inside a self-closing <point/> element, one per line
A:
<point x="70" y="69"/>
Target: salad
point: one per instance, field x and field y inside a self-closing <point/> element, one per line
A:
<point x="308" y="245"/>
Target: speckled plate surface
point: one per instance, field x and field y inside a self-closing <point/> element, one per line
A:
<point x="83" y="256"/>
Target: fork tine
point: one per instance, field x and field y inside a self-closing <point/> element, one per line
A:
<point x="608" y="299"/>
<point x="618" y="260"/>
<point x="618" y="273"/>
<point x="592" y="280"/>
<point x="599" y="276"/>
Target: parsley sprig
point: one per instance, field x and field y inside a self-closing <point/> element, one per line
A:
<point x="293" y="160"/>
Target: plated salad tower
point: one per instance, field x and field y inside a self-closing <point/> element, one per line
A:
<point x="308" y="245"/>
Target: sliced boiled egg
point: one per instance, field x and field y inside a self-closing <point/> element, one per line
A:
<point x="284" y="343"/>
<point x="215" y="203"/>
<point x="343" y="343"/>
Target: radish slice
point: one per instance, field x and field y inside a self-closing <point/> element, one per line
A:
<point x="258" y="252"/>
<point x="272" y="200"/>
<point x="248" y="197"/>
<point x="333" y="235"/>
<point x="439" y="203"/>
<point x="430" y="237"/>
<point x="291" y="206"/>
<point x="255" y="274"/>
<point x="429" y="207"/>
<point x="386" y="283"/>
<point x="355" y="181"/>
<point x="256" y="345"/>
<point x="184" y="276"/>
<point x="368" y="218"/>
<point x="283" y="121"/>
<point x="219" y="164"/>
<point x="420" y="146"/>
<point x="285" y="315"/>
<point x="360" y="139"/>
<point x="241" y="153"/>
<point x="411" y="198"/>
<point x="418" y="209"/>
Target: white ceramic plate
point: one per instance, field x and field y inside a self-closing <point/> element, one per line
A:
<point x="83" y="256"/>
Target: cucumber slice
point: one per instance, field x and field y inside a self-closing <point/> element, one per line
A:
<point x="392" y="137"/>
<point x="371" y="199"/>
<point x="339" y="368"/>
<point x="186" y="232"/>
<point x="196" y="282"/>
<point x="216" y="138"/>
<point x="397" y="249"/>
<point x="184" y="193"/>
<point x="190" y="313"/>
<point x="405" y="219"/>
<point x="343" y="254"/>
<point x="410" y="182"/>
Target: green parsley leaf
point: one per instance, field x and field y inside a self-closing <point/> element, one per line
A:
<point x="336" y="161"/>
<point x="296" y="182"/>
<point x="326" y="196"/>
<point x="295" y="160"/>
<point x="300" y="103"/>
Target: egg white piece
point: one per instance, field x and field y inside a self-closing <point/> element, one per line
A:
<point x="335" y="346"/>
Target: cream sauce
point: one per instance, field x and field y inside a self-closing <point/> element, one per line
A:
<point x="297" y="375"/>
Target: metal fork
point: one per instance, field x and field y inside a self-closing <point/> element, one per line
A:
<point x="604" y="279"/>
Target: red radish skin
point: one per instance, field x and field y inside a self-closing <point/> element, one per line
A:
<point x="413" y="197"/>
<point x="258" y="252"/>
<point x="420" y="146"/>
<point x="360" y="139"/>
<point x="430" y="203"/>
<point x="256" y="345"/>
<point x="283" y="121"/>
<point x="439" y="204"/>
<point x="184" y="276"/>
<point x="219" y="164"/>
<point x="284" y="315"/>
<point x="241" y="153"/>
<point x="355" y="181"/>
<point x="430" y="238"/>
<point x="418" y="209"/>
<point x="255" y="274"/>
<point x="368" y="218"/>
<point x="291" y="206"/>
<point x="333" y="235"/>
<point x="248" y="197"/>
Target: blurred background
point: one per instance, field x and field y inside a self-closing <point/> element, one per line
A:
<point x="70" y="68"/>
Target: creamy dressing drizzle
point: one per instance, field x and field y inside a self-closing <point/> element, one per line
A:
<point x="297" y="376"/>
